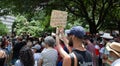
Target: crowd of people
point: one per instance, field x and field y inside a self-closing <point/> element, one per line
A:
<point x="71" y="47"/>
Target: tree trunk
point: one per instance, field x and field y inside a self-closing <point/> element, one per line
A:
<point x="92" y="28"/>
<point x="119" y="26"/>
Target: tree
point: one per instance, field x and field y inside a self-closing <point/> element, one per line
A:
<point x="3" y="29"/>
<point x="93" y="12"/>
<point x="4" y="7"/>
<point x="115" y="17"/>
<point x="21" y="25"/>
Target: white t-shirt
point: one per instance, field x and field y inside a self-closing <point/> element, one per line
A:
<point x="97" y="47"/>
<point x="116" y="62"/>
<point x="37" y="56"/>
<point x="18" y="63"/>
<point x="104" y="50"/>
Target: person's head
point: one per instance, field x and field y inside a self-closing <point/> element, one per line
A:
<point x="26" y="56"/>
<point x="36" y="48"/>
<point x="76" y="32"/>
<point x="49" y="41"/>
<point x="86" y="40"/>
<point x="106" y="37"/>
<point x="114" y="49"/>
<point x="19" y="38"/>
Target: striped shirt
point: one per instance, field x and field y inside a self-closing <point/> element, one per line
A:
<point x="49" y="57"/>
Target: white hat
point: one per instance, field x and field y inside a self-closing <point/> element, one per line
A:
<point x="107" y="36"/>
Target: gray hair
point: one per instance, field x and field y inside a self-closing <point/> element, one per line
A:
<point x="50" y="41"/>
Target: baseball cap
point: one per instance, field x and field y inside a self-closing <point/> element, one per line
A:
<point x="37" y="47"/>
<point x="78" y="31"/>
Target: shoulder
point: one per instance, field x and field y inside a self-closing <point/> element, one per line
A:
<point x="18" y="63"/>
<point x="2" y="54"/>
<point x="116" y="63"/>
<point x="66" y="61"/>
<point x="2" y="51"/>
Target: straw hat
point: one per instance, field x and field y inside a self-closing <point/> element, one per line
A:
<point x="114" y="47"/>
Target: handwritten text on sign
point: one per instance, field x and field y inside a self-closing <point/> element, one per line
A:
<point x="58" y="18"/>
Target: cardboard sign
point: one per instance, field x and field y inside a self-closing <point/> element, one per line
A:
<point x="58" y="18"/>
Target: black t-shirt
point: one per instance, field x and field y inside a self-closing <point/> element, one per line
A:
<point x="17" y="48"/>
<point x="2" y="60"/>
<point x="84" y="58"/>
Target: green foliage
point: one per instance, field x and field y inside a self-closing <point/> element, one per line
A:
<point x="75" y="21"/>
<point x="112" y="20"/>
<point x="38" y="24"/>
<point x="5" y="6"/>
<point x="3" y="29"/>
<point x="21" y="25"/>
<point x="92" y="14"/>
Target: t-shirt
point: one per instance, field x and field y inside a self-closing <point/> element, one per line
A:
<point x="84" y="58"/>
<point x="37" y="56"/>
<point x="104" y="50"/>
<point x="16" y="49"/>
<point x="18" y="63"/>
<point x="97" y="50"/>
<point x="2" y="60"/>
<point x="49" y="57"/>
<point x="116" y="62"/>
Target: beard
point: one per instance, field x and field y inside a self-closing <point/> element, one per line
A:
<point x="70" y="42"/>
<point x="85" y="43"/>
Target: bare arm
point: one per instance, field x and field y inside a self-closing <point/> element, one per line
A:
<point x="60" y="49"/>
<point x="3" y="55"/>
<point x="66" y="42"/>
<point x="40" y="62"/>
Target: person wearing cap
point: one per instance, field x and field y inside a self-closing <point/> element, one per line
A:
<point x="49" y="55"/>
<point x="114" y="49"/>
<point x="91" y="48"/>
<point x="37" y="54"/>
<point x="104" y="53"/>
<point x="79" y="55"/>
<point x="3" y="56"/>
<point x="16" y="49"/>
<point x="36" y="48"/>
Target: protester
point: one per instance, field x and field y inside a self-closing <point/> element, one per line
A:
<point x="26" y="57"/>
<point x="60" y="59"/>
<point x="79" y="56"/>
<point x="114" y="49"/>
<point x="91" y="48"/>
<point x="16" y="49"/>
<point x="3" y="56"/>
<point x="37" y="54"/>
<point x="49" y="54"/>
<point x="29" y="42"/>
<point x="104" y="53"/>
